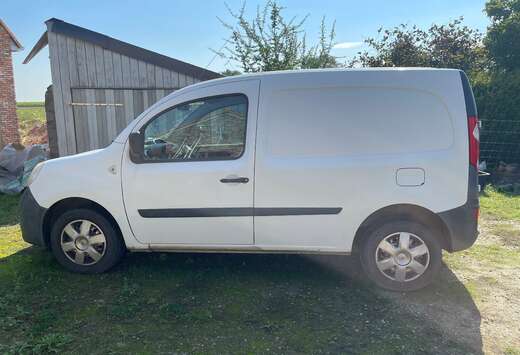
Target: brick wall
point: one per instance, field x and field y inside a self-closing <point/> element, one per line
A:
<point x="8" y="119"/>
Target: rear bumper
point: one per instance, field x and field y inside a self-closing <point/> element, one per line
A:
<point x="31" y="221"/>
<point x="462" y="226"/>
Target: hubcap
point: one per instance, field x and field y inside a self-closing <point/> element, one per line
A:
<point x="402" y="256"/>
<point x="83" y="242"/>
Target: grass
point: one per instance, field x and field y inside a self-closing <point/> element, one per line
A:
<point x="29" y="115"/>
<point x="211" y="303"/>
<point x="499" y="205"/>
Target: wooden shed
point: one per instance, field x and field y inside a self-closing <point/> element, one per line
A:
<point x="100" y="84"/>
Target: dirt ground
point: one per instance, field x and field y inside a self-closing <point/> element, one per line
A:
<point x="477" y="299"/>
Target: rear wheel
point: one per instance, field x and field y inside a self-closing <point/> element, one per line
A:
<point x="85" y="241"/>
<point x="401" y="255"/>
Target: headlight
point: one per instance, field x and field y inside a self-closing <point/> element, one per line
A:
<point x="34" y="173"/>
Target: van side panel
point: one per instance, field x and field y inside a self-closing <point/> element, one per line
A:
<point x="338" y="139"/>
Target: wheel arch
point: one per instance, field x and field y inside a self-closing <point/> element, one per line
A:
<point x="61" y="206"/>
<point x="404" y="211"/>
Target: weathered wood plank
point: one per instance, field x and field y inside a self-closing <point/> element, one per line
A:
<point x="143" y="74"/>
<point x="73" y="64"/>
<point x="109" y="68"/>
<point x="101" y="118"/>
<point x="92" y="120"/>
<point x="126" y="72"/>
<point x="159" y="79"/>
<point x="129" y="106"/>
<point x="118" y="70"/>
<point x="134" y="68"/>
<point x="111" y="115"/>
<point x="150" y="75"/>
<point x="57" y="94"/>
<point x="81" y="61"/>
<point x="159" y="94"/>
<point x="152" y="97"/>
<point x="167" y="78"/>
<point x="81" y="121"/>
<point x="175" y="80"/>
<point x="146" y="102"/>
<point x="91" y="65"/>
<point x="182" y="80"/>
<point x="65" y="91"/>
<point x="120" y="111"/>
<point x="138" y="102"/>
<point x="100" y="66"/>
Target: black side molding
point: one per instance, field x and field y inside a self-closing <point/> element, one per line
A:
<point x="469" y="99"/>
<point x="237" y="212"/>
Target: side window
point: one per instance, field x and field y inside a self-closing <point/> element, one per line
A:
<point x="207" y="129"/>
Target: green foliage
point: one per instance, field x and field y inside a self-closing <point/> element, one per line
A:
<point x="502" y="39"/>
<point x="497" y="94"/>
<point x="229" y="72"/>
<point x="270" y="42"/>
<point x="47" y="344"/>
<point x="453" y="45"/>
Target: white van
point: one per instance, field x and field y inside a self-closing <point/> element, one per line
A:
<point x="377" y="162"/>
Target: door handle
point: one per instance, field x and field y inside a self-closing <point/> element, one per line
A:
<point x="240" y="180"/>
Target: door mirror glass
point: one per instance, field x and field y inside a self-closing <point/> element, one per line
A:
<point x="136" y="143"/>
<point x="212" y="128"/>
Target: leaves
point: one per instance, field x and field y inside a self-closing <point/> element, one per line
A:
<point x="453" y="45"/>
<point x="503" y="33"/>
<point x="270" y="42"/>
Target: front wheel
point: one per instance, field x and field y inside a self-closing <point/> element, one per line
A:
<point x="84" y="241"/>
<point x="401" y="256"/>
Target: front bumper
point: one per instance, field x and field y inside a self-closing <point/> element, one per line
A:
<point x="32" y="215"/>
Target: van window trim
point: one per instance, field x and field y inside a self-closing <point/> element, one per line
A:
<point x="142" y="129"/>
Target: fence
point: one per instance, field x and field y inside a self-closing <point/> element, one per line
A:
<point x="500" y="142"/>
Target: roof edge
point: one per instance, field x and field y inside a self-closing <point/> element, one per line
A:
<point x="42" y="42"/>
<point x="13" y="37"/>
<point x="59" y="26"/>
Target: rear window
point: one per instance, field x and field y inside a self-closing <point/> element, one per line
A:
<point x="355" y="121"/>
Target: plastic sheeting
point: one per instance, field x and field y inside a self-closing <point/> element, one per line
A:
<point x="16" y="164"/>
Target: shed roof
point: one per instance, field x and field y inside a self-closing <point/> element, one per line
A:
<point x="15" y="44"/>
<point x="115" y="45"/>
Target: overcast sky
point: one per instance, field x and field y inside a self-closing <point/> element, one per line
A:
<point x="187" y="29"/>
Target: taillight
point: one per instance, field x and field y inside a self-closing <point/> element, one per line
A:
<point x="474" y="140"/>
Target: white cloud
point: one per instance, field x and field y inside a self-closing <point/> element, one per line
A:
<point x="347" y="45"/>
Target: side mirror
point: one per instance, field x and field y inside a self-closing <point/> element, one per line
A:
<point x="136" y="143"/>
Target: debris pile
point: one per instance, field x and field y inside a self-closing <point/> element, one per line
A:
<point x="16" y="164"/>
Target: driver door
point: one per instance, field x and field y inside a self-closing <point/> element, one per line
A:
<point x="195" y="183"/>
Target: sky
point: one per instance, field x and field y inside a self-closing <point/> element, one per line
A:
<point x="188" y="29"/>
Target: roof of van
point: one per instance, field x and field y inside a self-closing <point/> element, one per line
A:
<point x="279" y="73"/>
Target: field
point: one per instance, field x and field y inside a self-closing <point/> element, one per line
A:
<point x="31" y="118"/>
<point x="197" y="303"/>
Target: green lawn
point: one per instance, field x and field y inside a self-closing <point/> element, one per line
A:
<point x="29" y="115"/>
<point x="210" y="303"/>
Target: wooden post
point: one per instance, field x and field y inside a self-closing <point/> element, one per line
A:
<point x="51" y="123"/>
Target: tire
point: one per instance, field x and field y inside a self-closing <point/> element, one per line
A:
<point x="384" y="263"/>
<point x="81" y="251"/>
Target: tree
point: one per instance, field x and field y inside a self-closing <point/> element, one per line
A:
<point x="229" y="72"/>
<point x="453" y="45"/>
<point x="270" y="42"/>
<point x="502" y="39"/>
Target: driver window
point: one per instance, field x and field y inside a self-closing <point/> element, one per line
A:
<point x="207" y="129"/>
